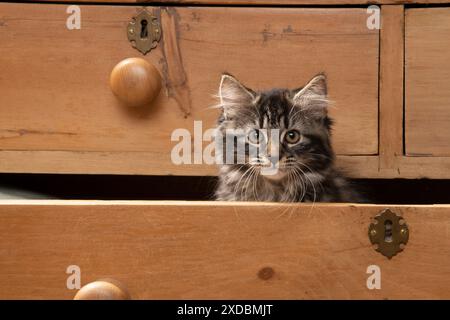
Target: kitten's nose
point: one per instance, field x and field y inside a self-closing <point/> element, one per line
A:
<point x="274" y="161"/>
<point x="273" y="150"/>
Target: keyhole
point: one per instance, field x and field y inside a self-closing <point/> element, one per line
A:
<point x="388" y="231"/>
<point x="144" y="30"/>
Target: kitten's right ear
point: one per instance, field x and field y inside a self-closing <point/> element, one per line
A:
<point x="233" y="94"/>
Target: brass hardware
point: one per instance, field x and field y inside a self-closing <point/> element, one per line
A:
<point x="389" y="232"/>
<point x="144" y="31"/>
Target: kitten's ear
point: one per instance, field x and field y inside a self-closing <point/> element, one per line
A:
<point x="313" y="96"/>
<point x="317" y="86"/>
<point x="233" y="94"/>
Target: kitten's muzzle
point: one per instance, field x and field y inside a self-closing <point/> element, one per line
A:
<point x="261" y="162"/>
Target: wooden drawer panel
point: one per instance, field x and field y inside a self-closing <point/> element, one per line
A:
<point x="56" y="96"/>
<point x="273" y="2"/>
<point x="427" y="75"/>
<point x="209" y="250"/>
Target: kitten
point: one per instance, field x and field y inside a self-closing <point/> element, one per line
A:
<point x="303" y="157"/>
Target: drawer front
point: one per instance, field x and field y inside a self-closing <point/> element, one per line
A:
<point x="427" y="75"/>
<point x="55" y="81"/>
<point x="213" y="250"/>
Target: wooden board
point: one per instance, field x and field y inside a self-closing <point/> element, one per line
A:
<point x="391" y="86"/>
<point x="427" y="74"/>
<point x="143" y="163"/>
<point x="259" y="2"/>
<point x="55" y="94"/>
<point x="213" y="250"/>
<point x="423" y="167"/>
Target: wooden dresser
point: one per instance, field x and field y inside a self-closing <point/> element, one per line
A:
<point x="63" y="110"/>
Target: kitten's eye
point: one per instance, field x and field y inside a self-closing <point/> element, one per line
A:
<point x="292" y="136"/>
<point x="255" y="136"/>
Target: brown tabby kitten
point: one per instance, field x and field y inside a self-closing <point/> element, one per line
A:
<point x="305" y="158"/>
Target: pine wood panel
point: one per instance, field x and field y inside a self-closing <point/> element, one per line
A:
<point x="259" y="2"/>
<point x="391" y="86"/>
<point x="209" y="250"/>
<point x="55" y="94"/>
<point x="141" y="163"/>
<point x="423" y="167"/>
<point x="427" y="74"/>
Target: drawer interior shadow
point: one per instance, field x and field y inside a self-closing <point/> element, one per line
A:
<point x="121" y="187"/>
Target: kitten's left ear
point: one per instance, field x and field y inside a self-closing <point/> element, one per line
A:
<point x="313" y="95"/>
<point x="317" y="86"/>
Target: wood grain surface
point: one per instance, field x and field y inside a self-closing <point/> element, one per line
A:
<point x="258" y="2"/>
<point x="143" y="163"/>
<point x="391" y="86"/>
<point x="427" y="74"/>
<point x="214" y="250"/>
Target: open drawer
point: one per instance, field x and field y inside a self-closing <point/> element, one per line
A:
<point x="214" y="250"/>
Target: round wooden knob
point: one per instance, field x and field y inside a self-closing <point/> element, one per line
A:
<point x="102" y="290"/>
<point x="135" y="82"/>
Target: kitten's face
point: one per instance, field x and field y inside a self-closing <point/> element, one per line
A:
<point x="289" y="129"/>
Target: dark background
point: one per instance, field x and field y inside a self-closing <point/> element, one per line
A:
<point x="121" y="187"/>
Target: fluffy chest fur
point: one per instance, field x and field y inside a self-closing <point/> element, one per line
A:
<point x="239" y="184"/>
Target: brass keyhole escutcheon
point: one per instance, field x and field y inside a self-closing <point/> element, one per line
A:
<point x="144" y="31"/>
<point x="389" y="232"/>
